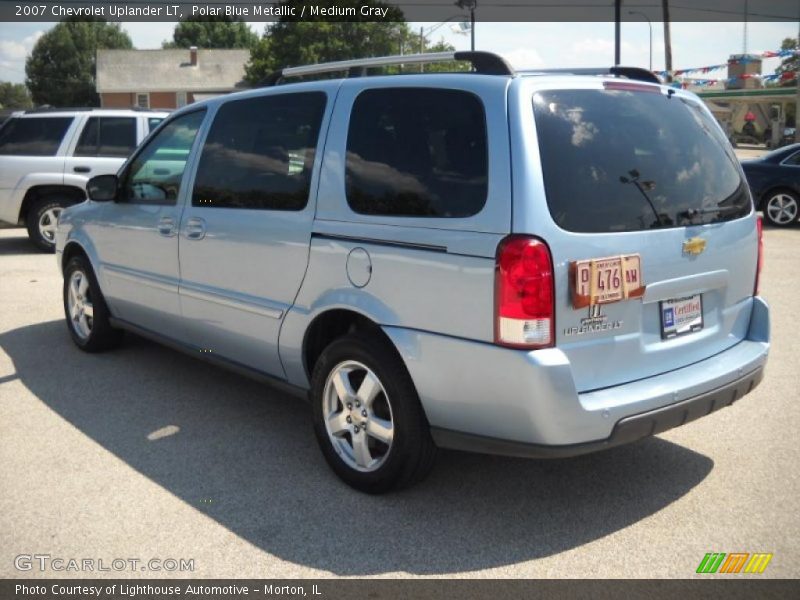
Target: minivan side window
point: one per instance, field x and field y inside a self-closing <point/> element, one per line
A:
<point x="113" y="137"/>
<point x="33" y="136"/>
<point x="417" y="152"/>
<point x="154" y="176"/>
<point x="259" y="153"/>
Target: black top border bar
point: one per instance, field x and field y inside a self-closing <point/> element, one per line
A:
<point x="410" y="10"/>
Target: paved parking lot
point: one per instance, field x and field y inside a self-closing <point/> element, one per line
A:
<point x="146" y="453"/>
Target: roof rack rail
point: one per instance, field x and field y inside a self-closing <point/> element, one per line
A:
<point x="485" y="63"/>
<point x="636" y="73"/>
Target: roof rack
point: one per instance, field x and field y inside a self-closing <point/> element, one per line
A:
<point x="636" y="73"/>
<point x="485" y="63"/>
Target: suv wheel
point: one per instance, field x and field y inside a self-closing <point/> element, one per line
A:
<point x="42" y="220"/>
<point x="86" y="310"/>
<point x="781" y="208"/>
<point x="367" y="416"/>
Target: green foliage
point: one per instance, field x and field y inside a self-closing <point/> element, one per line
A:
<point x="290" y="42"/>
<point x="792" y="63"/>
<point x="14" y="95"/>
<point x="212" y="32"/>
<point x="61" y="69"/>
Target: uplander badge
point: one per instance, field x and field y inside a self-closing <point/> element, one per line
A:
<point x="595" y="322"/>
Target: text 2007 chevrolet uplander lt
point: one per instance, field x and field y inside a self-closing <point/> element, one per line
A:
<point x="533" y="264"/>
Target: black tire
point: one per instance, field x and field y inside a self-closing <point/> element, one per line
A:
<point x="412" y="452"/>
<point x="101" y="335"/>
<point x="39" y="210"/>
<point x="774" y="215"/>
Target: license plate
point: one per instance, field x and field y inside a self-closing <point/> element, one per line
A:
<point x="604" y="280"/>
<point x="681" y="316"/>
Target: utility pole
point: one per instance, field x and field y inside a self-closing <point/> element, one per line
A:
<point x="667" y="41"/>
<point x="617" y="32"/>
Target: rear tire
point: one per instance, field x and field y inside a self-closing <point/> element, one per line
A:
<point x="367" y="416"/>
<point x="781" y="208"/>
<point x="41" y="222"/>
<point x="86" y="310"/>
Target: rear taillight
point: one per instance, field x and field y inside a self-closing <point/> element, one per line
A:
<point x="760" y="230"/>
<point x="524" y="297"/>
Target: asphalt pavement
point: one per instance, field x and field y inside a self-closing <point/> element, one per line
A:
<point x="145" y="453"/>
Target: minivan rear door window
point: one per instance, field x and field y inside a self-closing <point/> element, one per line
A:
<point x="627" y="160"/>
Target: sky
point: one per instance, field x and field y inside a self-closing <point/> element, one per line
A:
<point x="524" y="45"/>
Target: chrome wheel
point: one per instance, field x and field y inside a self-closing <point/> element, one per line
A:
<point x="47" y="223"/>
<point x="782" y="209"/>
<point x="358" y="416"/>
<point x="79" y="305"/>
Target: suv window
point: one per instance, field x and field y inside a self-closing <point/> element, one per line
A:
<point x="622" y="160"/>
<point x="417" y="152"/>
<point x="152" y="122"/>
<point x="107" y="136"/>
<point x="259" y="153"/>
<point x="34" y="136"/>
<point x="154" y="176"/>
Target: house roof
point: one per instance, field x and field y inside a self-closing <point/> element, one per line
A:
<point x="169" y="70"/>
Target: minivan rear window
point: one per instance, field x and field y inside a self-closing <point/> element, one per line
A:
<point x="417" y="152"/>
<point x="34" y="136"/>
<point x="623" y="160"/>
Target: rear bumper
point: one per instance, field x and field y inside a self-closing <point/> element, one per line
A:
<point x="626" y="430"/>
<point x="489" y="399"/>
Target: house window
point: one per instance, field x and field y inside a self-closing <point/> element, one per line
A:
<point x="143" y="100"/>
<point x="181" y="98"/>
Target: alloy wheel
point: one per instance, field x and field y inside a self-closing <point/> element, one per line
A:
<point x="358" y="416"/>
<point x="79" y="305"/>
<point x="782" y="209"/>
<point x="47" y="223"/>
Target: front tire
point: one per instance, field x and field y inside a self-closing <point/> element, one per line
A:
<point x="86" y="310"/>
<point x="367" y="416"/>
<point x="781" y="208"/>
<point x="41" y="222"/>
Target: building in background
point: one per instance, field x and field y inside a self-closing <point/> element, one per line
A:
<point x="167" y="79"/>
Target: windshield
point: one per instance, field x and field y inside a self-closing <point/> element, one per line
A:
<point x="622" y="160"/>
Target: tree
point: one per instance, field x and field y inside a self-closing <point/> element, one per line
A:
<point x="790" y="64"/>
<point x="212" y="32"/>
<point x="291" y="42"/>
<point x="14" y="95"/>
<point x="62" y="68"/>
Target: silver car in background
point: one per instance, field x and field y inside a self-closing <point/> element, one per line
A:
<point x="531" y="264"/>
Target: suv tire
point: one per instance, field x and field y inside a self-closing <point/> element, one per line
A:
<point x="358" y="380"/>
<point x="86" y="310"/>
<point x="41" y="222"/>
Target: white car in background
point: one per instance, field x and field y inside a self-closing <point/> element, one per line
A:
<point x="48" y="155"/>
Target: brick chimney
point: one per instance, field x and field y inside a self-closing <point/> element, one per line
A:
<point x="193" y="56"/>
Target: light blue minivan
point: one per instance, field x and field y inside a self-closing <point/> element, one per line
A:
<point x="532" y="264"/>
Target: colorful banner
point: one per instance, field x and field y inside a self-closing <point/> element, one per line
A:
<point x="739" y="61"/>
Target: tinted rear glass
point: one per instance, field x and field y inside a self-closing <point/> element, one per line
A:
<point x="37" y="136"/>
<point x="619" y="160"/>
<point x="417" y="152"/>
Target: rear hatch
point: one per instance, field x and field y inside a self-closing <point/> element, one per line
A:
<point x="644" y="172"/>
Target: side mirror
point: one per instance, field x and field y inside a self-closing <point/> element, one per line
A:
<point x="102" y="188"/>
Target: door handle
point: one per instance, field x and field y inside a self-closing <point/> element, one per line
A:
<point x="82" y="169"/>
<point x="166" y="226"/>
<point x="195" y="229"/>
